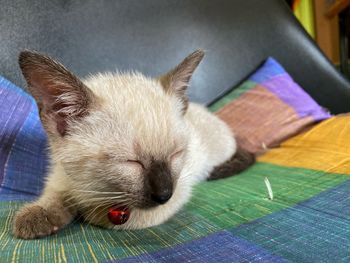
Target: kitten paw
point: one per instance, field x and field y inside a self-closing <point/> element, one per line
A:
<point x="33" y="221"/>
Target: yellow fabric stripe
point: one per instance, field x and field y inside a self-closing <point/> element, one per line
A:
<point x="94" y="258"/>
<point x="14" y="254"/>
<point x="325" y="147"/>
<point x="63" y="253"/>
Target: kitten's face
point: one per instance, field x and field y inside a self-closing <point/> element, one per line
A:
<point x="134" y="142"/>
<point x="120" y="136"/>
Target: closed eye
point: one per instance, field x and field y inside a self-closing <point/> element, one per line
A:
<point x="136" y="162"/>
<point x="176" y="154"/>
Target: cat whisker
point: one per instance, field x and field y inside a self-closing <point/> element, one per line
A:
<point x="90" y="216"/>
<point x="92" y="210"/>
<point x="95" y="196"/>
<point x="93" y="199"/>
<point x="99" y="213"/>
<point x="100" y="192"/>
<point x="98" y="201"/>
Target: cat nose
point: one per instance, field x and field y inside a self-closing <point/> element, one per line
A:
<point x="161" y="198"/>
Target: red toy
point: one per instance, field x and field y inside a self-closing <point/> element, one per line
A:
<point x="118" y="215"/>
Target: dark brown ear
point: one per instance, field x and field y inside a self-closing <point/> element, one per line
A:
<point x="60" y="95"/>
<point x="176" y="80"/>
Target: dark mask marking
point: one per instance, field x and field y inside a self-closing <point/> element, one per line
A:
<point x="159" y="182"/>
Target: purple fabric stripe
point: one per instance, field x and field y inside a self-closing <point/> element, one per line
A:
<point x="14" y="109"/>
<point x="218" y="247"/>
<point x="290" y="92"/>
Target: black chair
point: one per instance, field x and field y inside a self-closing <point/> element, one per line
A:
<point x="153" y="35"/>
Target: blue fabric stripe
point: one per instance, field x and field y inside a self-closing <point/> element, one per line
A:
<point x="14" y="109"/>
<point x="316" y="230"/>
<point x="8" y="85"/>
<point x="270" y="69"/>
<point x="15" y="195"/>
<point x="28" y="159"/>
<point x="23" y="143"/>
<point x="218" y="247"/>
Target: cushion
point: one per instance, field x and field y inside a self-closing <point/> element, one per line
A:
<point x="226" y="220"/>
<point x="268" y="108"/>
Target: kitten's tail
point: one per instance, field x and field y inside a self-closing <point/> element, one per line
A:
<point x="241" y="160"/>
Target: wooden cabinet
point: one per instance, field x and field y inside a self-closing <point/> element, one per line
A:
<point x="327" y="29"/>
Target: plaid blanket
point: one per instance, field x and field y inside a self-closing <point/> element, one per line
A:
<point x="229" y="220"/>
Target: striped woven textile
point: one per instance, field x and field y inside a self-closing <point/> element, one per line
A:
<point x="268" y="108"/>
<point x="229" y="220"/>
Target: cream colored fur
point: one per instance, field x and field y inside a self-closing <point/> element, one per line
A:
<point x="132" y="117"/>
<point x="210" y="140"/>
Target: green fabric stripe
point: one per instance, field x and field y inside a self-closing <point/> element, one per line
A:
<point x="240" y="199"/>
<point x="86" y="243"/>
<point x="215" y="205"/>
<point x="232" y="95"/>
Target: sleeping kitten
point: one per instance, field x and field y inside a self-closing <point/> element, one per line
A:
<point x="122" y="140"/>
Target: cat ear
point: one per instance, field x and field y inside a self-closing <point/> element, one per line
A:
<point x="60" y="95"/>
<point x="176" y="80"/>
